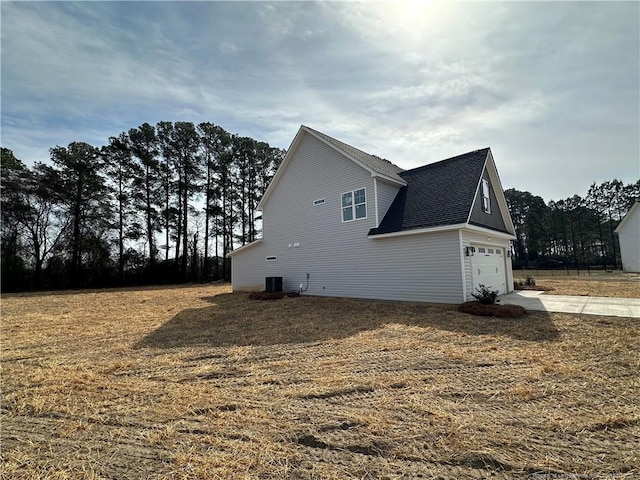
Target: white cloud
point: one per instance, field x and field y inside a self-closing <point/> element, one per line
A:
<point x="549" y="87"/>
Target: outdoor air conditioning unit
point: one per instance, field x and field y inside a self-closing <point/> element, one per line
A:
<point x="273" y="284"/>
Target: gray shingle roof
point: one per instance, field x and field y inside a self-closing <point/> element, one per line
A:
<point x="437" y="194"/>
<point x="377" y="164"/>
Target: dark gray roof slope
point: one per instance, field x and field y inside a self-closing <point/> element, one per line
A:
<point x="440" y="193"/>
<point x="377" y="164"/>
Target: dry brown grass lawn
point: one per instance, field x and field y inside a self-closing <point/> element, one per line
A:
<point x="623" y="285"/>
<point x="195" y="382"/>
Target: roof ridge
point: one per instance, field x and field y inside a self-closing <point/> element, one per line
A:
<point x="440" y="162"/>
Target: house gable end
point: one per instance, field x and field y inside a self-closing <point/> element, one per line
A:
<point x="492" y="218"/>
<point x="628" y="232"/>
<point x="378" y="167"/>
<point x="499" y="219"/>
<point x="374" y="165"/>
<point x="325" y="198"/>
<point x="437" y="194"/>
<point x="276" y="178"/>
<point x="634" y="210"/>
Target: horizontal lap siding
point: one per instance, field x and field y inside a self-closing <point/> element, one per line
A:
<point x="630" y="242"/>
<point x="423" y="268"/>
<point x="386" y="194"/>
<point x="339" y="257"/>
<point x="316" y="171"/>
<point x="249" y="269"/>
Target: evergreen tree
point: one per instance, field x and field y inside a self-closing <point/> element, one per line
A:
<point x="144" y="146"/>
<point x="121" y="170"/>
<point x="82" y="189"/>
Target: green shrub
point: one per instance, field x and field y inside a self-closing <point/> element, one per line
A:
<point x="485" y="296"/>
<point x="530" y="281"/>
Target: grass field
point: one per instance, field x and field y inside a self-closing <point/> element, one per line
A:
<point x="597" y="284"/>
<point x="196" y="382"/>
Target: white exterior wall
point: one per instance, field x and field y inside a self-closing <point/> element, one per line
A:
<point x="339" y="257"/>
<point x="243" y="267"/>
<point x="386" y="194"/>
<point x="629" y="238"/>
<point x="471" y="238"/>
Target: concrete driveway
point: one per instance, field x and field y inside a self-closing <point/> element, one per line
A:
<point x="614" y="307"/>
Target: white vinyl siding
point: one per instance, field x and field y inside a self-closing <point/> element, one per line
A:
<point x="339" y="257"/>
<point x="629" y="237"/>
<point x="249" y="269"/>
<point x="386" y="193"/>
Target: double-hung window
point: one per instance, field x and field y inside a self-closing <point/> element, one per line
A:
<point x="354" y="205"/>
<point x="486" y="200"/>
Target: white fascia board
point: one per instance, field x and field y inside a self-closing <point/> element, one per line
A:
<point x="384" y="177"/>
<point x="281" y="168"/>
<point x="244" y="247"/>
<point x="445" y="228"/>
<point x="489" y="232"/>
<point x="417" y="231"/>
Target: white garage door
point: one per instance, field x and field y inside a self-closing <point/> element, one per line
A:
<point x="489" y="269"/>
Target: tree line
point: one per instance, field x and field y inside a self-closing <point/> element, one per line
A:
<point x="572" y="233"/>
<point x="157" y="204"/>
<point x="167" y="203"/>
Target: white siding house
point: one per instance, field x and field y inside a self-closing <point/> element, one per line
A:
<point x="629" y="236"/>
<point x="339" y="222"/>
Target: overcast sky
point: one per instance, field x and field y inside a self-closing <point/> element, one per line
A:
<point x="553" y="88"/>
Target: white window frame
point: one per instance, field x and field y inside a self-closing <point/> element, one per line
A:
<point x="486" y="198"/>
<point x="319" y="201"/>
<point x="353" y="205"/>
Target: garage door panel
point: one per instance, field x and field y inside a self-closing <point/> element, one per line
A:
<point x="489" y="268"/>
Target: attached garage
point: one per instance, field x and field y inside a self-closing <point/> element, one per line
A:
<point x="489" y="268"/>
<point x="340" y="222"/>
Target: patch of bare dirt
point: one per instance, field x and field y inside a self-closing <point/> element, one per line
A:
<point x="500" y="311"/>
<point x="200" y="383"/>
<point x="272" y="295"/>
